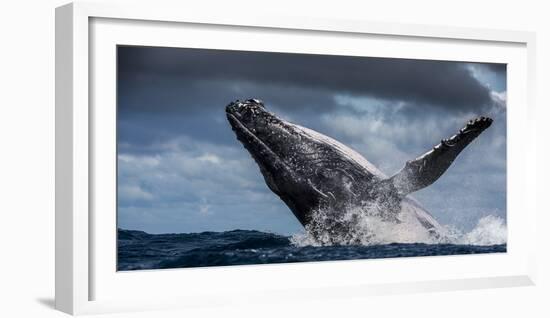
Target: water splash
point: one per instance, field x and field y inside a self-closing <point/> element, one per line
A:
<point x="367" y="225"/>
<point x="490" y="230"/>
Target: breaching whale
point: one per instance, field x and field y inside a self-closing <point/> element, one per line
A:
<point x="312" y="172"/>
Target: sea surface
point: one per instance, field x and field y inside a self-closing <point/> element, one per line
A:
<point x="139" y="250"/>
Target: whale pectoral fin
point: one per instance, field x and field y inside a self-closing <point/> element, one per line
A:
<point x="426" y="169"/>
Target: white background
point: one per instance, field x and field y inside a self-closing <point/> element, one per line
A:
<point x="27" y="160"/>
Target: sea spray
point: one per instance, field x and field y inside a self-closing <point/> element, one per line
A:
<point x="367" y="226"/>
<point x="490" y="230"/>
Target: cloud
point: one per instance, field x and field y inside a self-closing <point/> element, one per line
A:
<point x="195" y="186"/>
<point x="451" y="85"/>
<point x="133" y="193"/>
<point x="213" y="159"/>
<point x="499" y="99"/>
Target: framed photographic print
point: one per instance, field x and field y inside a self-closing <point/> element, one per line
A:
<point x="198" y="199"/>
<point x="275" y="155"/>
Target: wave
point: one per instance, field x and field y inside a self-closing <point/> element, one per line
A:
<point x="139" y="250"/>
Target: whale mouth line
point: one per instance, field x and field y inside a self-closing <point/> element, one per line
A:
<point x="246" y="131"/>
<point x="240" y="128"/>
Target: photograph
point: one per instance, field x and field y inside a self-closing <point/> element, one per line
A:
<point x="229" y="157"/>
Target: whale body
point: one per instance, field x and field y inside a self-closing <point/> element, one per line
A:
<point x="319" y="178"/>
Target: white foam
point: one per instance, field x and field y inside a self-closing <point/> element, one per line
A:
<point x="490" y="230"/>
<point x="366" y="225"/>
<point x="369" y="227"/>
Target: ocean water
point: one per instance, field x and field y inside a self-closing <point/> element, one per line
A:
<point x="139" y="250"/>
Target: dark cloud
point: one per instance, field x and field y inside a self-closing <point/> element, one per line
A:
<point x="449" y="85"/>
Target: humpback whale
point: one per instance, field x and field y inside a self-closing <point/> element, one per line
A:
<point x="311" y="172"/>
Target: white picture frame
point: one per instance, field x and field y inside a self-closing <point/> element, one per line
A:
<point x="87" y="282"/>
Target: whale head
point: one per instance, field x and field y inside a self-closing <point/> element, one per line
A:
<point x="304" y="168"/>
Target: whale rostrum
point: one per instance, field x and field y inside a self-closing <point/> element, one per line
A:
<point x="310" y="171"/>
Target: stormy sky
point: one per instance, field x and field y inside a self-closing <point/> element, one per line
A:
<point x="181" y="169"/>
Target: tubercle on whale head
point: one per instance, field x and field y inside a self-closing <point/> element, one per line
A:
<point x="238" y="106"/>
